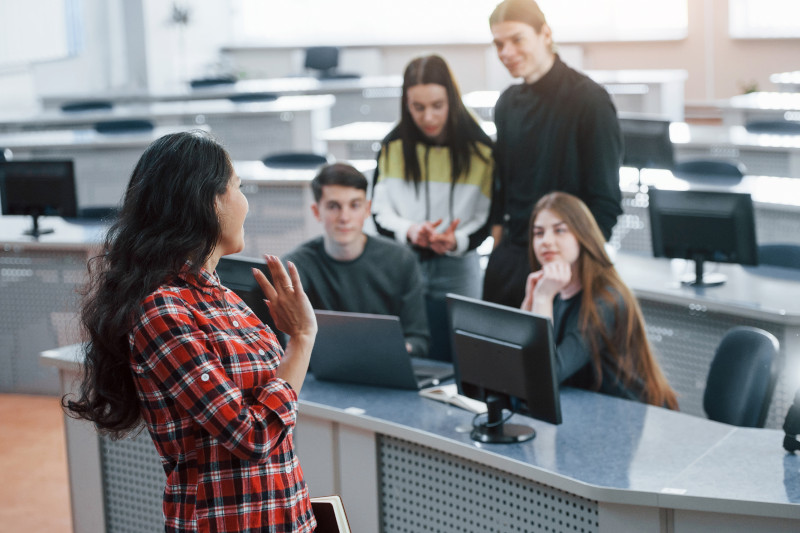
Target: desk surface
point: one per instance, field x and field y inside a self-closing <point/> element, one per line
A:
<point x="735" y="136"/>
<point x="87" y="138"/>
<point x="160" y="111"/>
<point x="767" y="191"/>
<point x="68" y="234"/>
<point x="278" y="86"/>
<point x="763" y="101"/>
<point x="607" y="449"/>
<point x="763" y="292"/>
<point x="256" y="172"/>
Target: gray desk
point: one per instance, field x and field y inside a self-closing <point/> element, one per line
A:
<point x="776" y="202"/>
<point x="685" y="324"/>
<point x="787" y="81"/>
<point x="39" y="280"/>
<point x="365" y="98"/>
<point x="644" y="92"/>
<point x="405" y="463"/>
<point x="362" y="140"/>
<point x="103" y="163"/>
<point x="762" y="154"/>
<point x="248" y="130"/>
<point x="744" y="108"/>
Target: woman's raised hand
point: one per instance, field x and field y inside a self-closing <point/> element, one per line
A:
<point x="287" y="302"/>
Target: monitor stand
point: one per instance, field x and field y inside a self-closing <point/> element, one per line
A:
<point x="35" y="231"/>
<point x="495" y="430"/>
<point x="699" y="279"/>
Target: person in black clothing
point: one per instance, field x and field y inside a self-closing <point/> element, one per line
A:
<point x="557" y="131"/>
<point x="599" y="329"/>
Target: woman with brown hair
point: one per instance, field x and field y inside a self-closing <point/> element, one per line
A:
<point x="598" y="326"/>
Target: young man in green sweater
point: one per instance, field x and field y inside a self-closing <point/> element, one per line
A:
<point x="347" y="270"/>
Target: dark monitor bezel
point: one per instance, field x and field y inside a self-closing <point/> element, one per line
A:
<point x="729" y="215"/>
<point x="24" y="193"/>
<point x="655" y="148"/>
<point x="527" y="379"/>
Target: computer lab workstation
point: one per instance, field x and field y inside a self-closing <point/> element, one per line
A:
<point x="489" y="441"/>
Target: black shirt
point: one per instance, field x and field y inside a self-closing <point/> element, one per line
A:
<point x="559" y="133"/>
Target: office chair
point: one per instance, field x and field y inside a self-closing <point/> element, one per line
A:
<point x="325" y="60"/>
<point x="779" y="127"/>
<point x="200" y="83"/>
<point x="711" y="170"/>
<point x="247" y="98"/>
<point x="124" y="126"/>
<point x="742" y="377"/>
<point x="87" y="105"/>
<point x="781" y="255"/>
<point x="295" y="160"/>
<point x="5" y="154"/>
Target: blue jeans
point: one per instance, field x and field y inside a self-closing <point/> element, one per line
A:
<point x="440" y="275"/>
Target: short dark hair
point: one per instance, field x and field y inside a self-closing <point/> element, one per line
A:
<point x="337" y="174"/>
<point x="526" y="11"/>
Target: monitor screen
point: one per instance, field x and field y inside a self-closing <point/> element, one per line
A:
<point x="647" y="143"/>
<point x="38" y="188"/>
<point x="703" y="226"/>
<point x="235" y="273"/>
<point x="506" y="358"/>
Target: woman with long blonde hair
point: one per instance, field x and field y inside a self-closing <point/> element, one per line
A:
<point x="597" y="322"/>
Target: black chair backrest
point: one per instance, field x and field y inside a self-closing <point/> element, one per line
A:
<point x="742" y="377"/>
<point x="87" y="105"/>
<point x="212" y="81"/>
<point x="710" y="169"/>
<point x="124" y="126"/>
<point x="246" y="98"/>
<point x="779" y="127"/>
<point x="295" y="160"/>
<point x="781" y="255"/>
<point x="647" y="143"/>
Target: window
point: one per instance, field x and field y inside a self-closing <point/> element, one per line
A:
<point x="40" y="31"/>
<point x="764" y="19"/>
<point x="366" y="22"/>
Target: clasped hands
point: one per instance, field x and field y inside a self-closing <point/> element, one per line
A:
<point x="424" y="235"/>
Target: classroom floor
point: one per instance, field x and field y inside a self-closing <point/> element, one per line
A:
<point x="34" y="493"/>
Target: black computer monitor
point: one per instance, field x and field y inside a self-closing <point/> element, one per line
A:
<point x="647" y="143"/>
<point x="236" y="273"/>
<point x="38" y="188"/>
<point x="703" y="226"/>
<point x="506" y="358"/>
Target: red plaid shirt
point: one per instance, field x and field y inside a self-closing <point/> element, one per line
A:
<point x="204" y="366"/>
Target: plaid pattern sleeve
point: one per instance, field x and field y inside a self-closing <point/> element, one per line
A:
<point x="220" y="419"/>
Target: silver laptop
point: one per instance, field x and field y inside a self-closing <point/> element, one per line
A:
<point x="370" y="350"/>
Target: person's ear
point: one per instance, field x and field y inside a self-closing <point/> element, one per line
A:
<point x="315" y="210"/>
<point x="369" y="206"/>
<point x="548" y="34"/>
